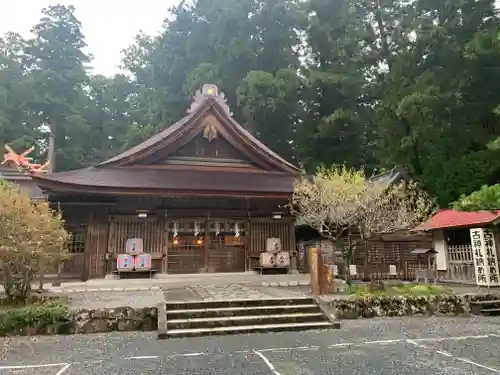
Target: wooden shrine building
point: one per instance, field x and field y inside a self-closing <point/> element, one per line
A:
<point x="204" y="195"/>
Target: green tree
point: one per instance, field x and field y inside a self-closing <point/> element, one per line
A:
<point x="32" y="238"/>
<point x="17" y="122"/>
<point x="436" y="113"/>
<point x="108" y="115"/>
<point x="487" y="198"/>
<point x="220" y="42"/>
<point x="58" y="73"/>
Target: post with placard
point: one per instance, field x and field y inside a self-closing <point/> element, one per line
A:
<point x="485" y="257"/>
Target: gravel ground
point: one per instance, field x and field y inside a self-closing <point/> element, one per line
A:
<point x="406" y="346"/>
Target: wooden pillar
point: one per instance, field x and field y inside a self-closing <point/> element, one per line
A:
<point x="314" y="256"/>
<point x="96" y="243"/>
<point x="166" y="239"/>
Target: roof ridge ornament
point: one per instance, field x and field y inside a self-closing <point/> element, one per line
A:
<point x="209" y="91"/>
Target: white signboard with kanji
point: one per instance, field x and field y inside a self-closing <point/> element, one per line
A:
<point x="124" y="262"/>
<point x="485" y="257"/>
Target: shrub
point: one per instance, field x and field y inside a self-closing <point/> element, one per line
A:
<point x="378" y="289"/>
<point x="32" y="237"/>
<point x="16" y="319"/>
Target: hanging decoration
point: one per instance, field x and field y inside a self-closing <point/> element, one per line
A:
<point x="217" y="228"/>
<point x="236" y="230"/>
<point x="175" y="229"/>
<point x="196" y="228"/>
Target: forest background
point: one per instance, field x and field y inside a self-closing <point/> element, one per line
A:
<point x="369" y="84"/>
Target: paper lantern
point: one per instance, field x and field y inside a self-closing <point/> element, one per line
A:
<point x="125" y="262"/>
<point x="143" y="262"/>
<point x="134" y="246"/>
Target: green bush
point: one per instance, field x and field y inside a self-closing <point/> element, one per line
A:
<point x="16" y="319"/>
<point x="380" y="290"/>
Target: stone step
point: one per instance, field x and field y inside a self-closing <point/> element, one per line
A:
<point x="211" y="304"/>
<point x="491" y="311"/>
<point x="248" y="329"/>
<point x="200" y="323"/>
<point x="488" y="302"/>
<point x="241" y="311"/>
<point x="486" y="307"/>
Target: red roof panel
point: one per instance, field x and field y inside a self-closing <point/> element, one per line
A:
<point x="450" y="219"/>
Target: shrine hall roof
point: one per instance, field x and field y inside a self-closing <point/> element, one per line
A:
<point x="269" y="173"/>
<point x="115" y="179"/>
<point x="449" y="218"/>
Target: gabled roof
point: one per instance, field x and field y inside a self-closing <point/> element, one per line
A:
<point x="130" y="169"/>
<point x="449" y="218"/>
<point x="206" y="99"/>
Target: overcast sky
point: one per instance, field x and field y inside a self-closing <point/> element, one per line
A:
<point x="109" y="25"/>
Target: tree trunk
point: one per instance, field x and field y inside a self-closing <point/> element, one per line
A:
<point x="348" y="260"/>
<point x="51" y="154"/>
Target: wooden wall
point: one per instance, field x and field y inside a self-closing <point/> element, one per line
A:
<point x="372" y="258"/>
<point x="107" y="235"/>
<point x="260" y="230"/>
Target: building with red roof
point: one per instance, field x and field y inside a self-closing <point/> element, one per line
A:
<point x="458" y="257"/>
<point x="449" y="218"/>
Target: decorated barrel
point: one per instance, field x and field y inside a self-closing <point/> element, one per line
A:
<point x="125" y="262"/>
<point x="134" y="246"/>
<point x="143" y="262"/>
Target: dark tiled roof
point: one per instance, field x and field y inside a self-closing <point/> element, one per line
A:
<point x="190" y="180"/>
<point x="22" y="180"/>
<point x="150" y="141"/>
<point x="168" y="135"/>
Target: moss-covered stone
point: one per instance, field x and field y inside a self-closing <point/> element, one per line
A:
<point x="34" y="321"/>
<point x="378" y="306"/>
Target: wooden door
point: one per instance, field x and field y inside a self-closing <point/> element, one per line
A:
<point x="186" y="248"/>
<point x="74" y="266"/>
<point x="225" y="246"/>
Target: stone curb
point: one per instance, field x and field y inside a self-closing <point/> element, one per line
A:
<point x="285" y="284"/>
<point x="162" y="320"/>
<point x="81" y="290"/>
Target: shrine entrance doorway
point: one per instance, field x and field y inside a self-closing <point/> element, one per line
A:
<point x="197" y="246"/>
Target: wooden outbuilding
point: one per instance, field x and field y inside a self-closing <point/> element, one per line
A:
<point x="203" y="195"/>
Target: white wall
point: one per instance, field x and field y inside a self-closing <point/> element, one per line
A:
<point x="439" y="242"/>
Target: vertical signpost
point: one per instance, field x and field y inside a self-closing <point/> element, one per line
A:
<point x="490" y="253"/>
<point x="485" y="257"/>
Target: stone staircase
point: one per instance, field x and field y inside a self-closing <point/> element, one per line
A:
<point x="486" y="307"/>
<point x="184" y="319"/>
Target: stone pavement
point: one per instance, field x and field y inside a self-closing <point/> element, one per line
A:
<point x="112" y="299"/>
<point x="149" y="292"/>
<point x="163" y="281"/>
<point x="148" y="297"/>
<point x="388" y="346"/>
